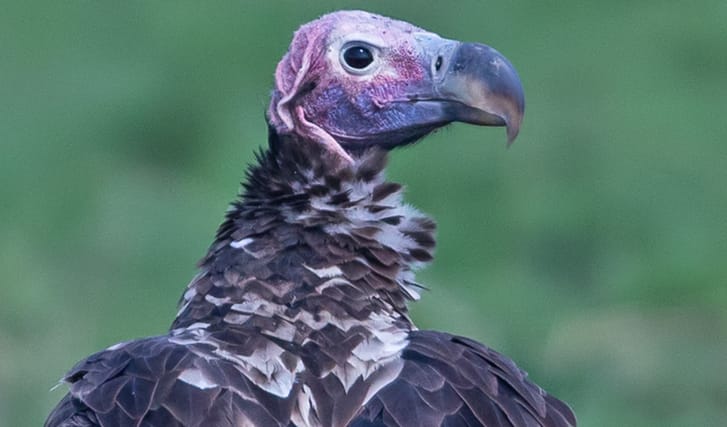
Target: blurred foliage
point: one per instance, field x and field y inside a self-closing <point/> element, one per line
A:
<point x="592" y="251"/>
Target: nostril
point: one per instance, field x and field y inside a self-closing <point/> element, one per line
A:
<point x="438" y="63"/>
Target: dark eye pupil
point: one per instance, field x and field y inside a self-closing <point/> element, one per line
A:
<point x="358" y="57"/>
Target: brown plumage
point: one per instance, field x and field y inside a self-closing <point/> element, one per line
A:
<point x="299" y="316"/>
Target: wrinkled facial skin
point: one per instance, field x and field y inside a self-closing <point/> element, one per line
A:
<point x="359" y="108"/>
<point x="361" y="79"/>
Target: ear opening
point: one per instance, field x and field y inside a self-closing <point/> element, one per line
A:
<point x="297" y="74"/>
<point x="284" y="103"/>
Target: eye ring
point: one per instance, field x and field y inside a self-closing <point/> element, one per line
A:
<point x="358" y="58"/>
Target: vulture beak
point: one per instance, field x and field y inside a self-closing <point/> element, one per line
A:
<point x="475" y="84"/>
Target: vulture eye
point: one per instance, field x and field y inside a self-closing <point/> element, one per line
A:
<point x="357" y="58"/>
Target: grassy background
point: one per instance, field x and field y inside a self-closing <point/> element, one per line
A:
<point x="592" y="251"/>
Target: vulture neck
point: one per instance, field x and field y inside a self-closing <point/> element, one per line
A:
<point x="312" y="239"/>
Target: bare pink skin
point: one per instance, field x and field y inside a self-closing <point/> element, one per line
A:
<point x="408" y="83"/>
<point x="310" y="82"/>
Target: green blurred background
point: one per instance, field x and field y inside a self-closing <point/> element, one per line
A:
<point x="592" y="251"/>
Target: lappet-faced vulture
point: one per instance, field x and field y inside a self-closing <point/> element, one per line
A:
<point x="298" y="316"/>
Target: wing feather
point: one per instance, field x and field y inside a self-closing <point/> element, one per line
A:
<point x="454" y="381"/>
<point x="155" y="382"/>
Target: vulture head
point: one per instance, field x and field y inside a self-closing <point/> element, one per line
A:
<point x="352" y="80"/>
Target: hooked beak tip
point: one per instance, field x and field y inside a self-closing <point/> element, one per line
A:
<point x="513" y="129"/>
<point x="487" y="86"/>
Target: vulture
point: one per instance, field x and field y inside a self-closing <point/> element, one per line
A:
<point x="298" y="315"/>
